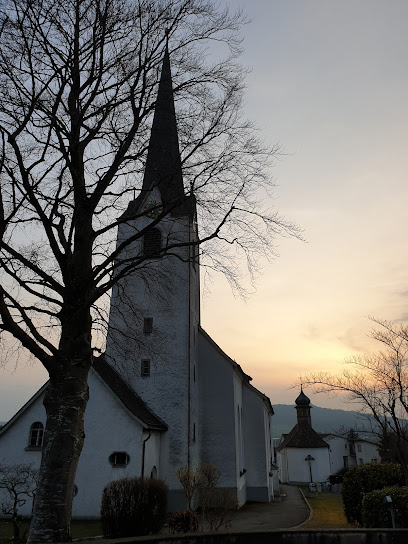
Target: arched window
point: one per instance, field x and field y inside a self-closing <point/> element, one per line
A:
<point x="153" y="473"/>
<point x="152" y="243"/>
<point x="36" y="435"/>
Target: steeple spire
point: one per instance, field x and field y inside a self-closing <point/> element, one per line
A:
<point x="163" y="165"/>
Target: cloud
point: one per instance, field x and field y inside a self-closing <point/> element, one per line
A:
<point x="312" y="333"/>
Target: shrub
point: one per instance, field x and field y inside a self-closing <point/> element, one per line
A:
<point x="218" y="513"/>
<point x="362" y="479"/>
<point x="183" y="522"/>
<point x="376" y="512"/>
<point x="133" y="507"/>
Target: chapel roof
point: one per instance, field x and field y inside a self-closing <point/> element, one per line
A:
<point x="127" y="396"/>
<point x="302" y="399"/>
<point x="302" y="436"/>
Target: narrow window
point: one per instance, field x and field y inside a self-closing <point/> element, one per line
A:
<point x="359" y="448"/>
<point x="145" y="371"/>
<point x="194" y="432"/>
<point x="119" y="459"/>
<point x="36" y="435"/>
<point x="152" y="243"/>
<point x="148" y="325"/>
<point x="345" y="461"/>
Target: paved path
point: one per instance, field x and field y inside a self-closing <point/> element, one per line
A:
<point x="290" y="511"/>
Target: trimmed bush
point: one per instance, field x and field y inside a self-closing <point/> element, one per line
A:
<point x="133" y="507"/>
<point x="376" y="512"/>
<point x="183" y="522"/>
<point x="362" y="479"/>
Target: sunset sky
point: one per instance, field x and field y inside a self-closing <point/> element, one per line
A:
<point x="329" y="82"/>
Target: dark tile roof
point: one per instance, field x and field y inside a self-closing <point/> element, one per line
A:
<point x="127" y="396"/>
<point x="302" y="436"/>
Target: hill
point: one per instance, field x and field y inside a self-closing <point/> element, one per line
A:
<point x="324" y="420"/>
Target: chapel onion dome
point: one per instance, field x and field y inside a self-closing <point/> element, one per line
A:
<point x="302" y="399"/>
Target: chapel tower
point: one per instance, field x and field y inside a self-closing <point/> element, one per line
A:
<point x="303" y="409"/>
<point x="155" y="312"/>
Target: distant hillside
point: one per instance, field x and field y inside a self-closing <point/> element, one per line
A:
<point x="324" y="420"/>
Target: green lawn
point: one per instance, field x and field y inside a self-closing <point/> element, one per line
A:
<point x="80" y="529"/>
<point x="327" y="511"/>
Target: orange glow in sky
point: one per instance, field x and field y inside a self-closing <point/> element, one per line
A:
<point x="329" y="83"/>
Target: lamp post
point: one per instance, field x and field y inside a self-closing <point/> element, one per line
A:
<point x="388" y="500"/>
<point x="309" y="459"/>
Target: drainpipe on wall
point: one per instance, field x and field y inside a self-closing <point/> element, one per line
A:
<point x="144" y="451"/>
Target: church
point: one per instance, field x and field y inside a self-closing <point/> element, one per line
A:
<point x="163" y="395"/>
<point x="305" y="456"/>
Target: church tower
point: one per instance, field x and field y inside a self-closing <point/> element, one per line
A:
<point x="155" y="311"/>
<point x="303" y="409"/>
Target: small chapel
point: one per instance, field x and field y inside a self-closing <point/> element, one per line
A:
<point x="163" y="395"/>
<point x="305" y="456"/>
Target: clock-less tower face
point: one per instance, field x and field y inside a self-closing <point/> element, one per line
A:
<point x="153" y="209"/>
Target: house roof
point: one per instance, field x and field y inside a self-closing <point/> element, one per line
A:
<point x="236" y="366"/>
<point x="127" y="396"/>
<point x="302" y="436"/>
<point x="119" y="387"/>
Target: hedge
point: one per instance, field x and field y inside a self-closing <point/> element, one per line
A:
<point x="362" y="479"/>
<point x="133" y="507"/>
<point x="376" y="512"/>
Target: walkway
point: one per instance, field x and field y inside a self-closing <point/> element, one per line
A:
<point x="290" y="511"/>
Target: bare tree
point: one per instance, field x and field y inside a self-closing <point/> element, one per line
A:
<point x="379" y="384"/>
<point x="19" y="484"/>
<point x="78" y="83"/>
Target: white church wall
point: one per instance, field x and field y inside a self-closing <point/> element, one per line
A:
<point x="14" y="444"/>
<point x="152" y="446"/>
<point x="107" y="430"/>
<point x="257" y="450"/>
<point x="167" y="290"/>
<point x="240" y="469"/>
<point x="216" y="412"/>
<point x="298" y="468"/>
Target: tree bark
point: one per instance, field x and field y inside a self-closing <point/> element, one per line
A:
<point x="65" y="402"/>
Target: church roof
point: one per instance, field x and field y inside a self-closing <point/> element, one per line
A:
<point x="127" y="396"/>
<point x="302" y="436"/>
<point x="236" y="366"/>
<point x="163" y="164"/>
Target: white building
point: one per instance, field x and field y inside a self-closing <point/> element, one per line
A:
<point x="305" y="456"/>
<point x="164" y="395"/>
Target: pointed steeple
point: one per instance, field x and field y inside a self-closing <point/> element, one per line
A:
<point x="163" y="165"/>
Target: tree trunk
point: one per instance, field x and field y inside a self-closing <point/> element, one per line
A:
<point x="65" y="402"/>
